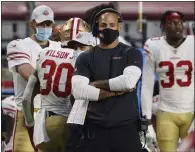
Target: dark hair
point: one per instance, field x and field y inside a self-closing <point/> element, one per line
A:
<point x="167" y="13"/>
<point x="91" y="13"/>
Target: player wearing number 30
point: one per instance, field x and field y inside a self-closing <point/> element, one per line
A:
<point x="54" y="71"/>
<point x="172" y="58"/>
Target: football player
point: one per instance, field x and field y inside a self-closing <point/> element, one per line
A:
<point x="54" y="71"/>
<point x="10" y="109"/>
<point x="172" y="58"/>
<point x="22" y="55"/>
<point x="185" y="145"/>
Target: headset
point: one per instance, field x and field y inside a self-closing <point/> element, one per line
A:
<point x="94" y="26"/>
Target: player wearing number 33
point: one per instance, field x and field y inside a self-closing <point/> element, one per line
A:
<point x="54" y="70"/>
<point x="172" y="58"/>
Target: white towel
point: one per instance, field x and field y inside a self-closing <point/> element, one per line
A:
<point x="78" y="112"/>
<point x="40" y="133"/>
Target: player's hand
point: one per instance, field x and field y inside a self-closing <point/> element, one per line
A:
<point x="93" y="83"/>
<point x="151" y="133"/>
<point x="123" y="92"/>
<point x="131" y="90"/>
<point x="151" y="136"/>
<point x="151" y="139"/>
<point x="149" y="145"/>
<point x="112" y="94"/>
<point x="191" y="127"/>
<point x="119" y="93"/>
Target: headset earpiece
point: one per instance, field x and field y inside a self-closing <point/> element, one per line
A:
<point x="95" y="28"/>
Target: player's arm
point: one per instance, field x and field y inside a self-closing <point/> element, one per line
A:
<point x="81" y="89"/>
<point x="25" y="70"/>
<point x="19" y="59"/>
<point x="128" y="79"/>
<point x="32" y="89"/>
<point x="148" y="79"/>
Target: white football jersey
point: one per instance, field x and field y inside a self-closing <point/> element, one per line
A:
<point x="175" y="70"/>
<point x="9" y="106"/>
<point x="19" y="52"/>
<point x="55" y="68"/>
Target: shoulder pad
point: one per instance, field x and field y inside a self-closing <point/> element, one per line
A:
<point x="54" y="44"/>
<point x="191" y="37"/>
<point x="151" y="44"/>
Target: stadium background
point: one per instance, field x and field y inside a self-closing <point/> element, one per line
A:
<point x="15" y="17"/>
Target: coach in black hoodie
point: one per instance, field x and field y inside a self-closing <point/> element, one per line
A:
<point x="107" y="76"/>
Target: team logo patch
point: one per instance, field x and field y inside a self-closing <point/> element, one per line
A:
<point x="79" y="36"/>
<point x="13" y="45"/>
<point x="117" y="57"/>
<point x="45" y="12"/>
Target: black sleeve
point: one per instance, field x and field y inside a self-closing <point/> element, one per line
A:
<point x="3" y="123"/>
<point x="135" y="58"/>
<point x="82" y="65"/>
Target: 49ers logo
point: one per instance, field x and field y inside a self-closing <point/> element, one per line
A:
<point x="45" y="12"/>
<point x="79" y="35"/>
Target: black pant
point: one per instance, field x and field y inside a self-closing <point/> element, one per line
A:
<point x="99" y="139"/>
<point x="75" y="140"/>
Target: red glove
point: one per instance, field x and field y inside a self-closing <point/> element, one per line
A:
<point x="30" y="133"/>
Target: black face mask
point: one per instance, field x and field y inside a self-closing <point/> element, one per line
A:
<point x="109" y="35"/>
